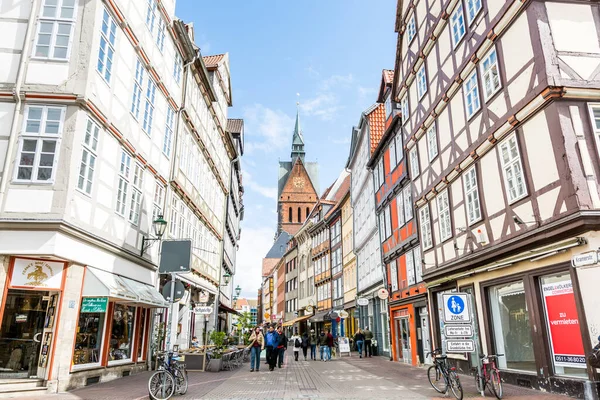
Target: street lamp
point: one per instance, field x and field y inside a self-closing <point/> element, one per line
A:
<point x="226" y="279"/>
<point x="238" y="290"/>
<point x="159" y="225"/>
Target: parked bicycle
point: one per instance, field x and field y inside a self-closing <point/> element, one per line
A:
<point x="489" y="375"/>
<point x="170" y="378"/>
<point x="443" y="377"/>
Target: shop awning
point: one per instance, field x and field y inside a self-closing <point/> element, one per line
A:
<point x="318" y="317"/>
<point x="198" y="281"/>
<point x="296" y="320"/>
<point x="99" y="283"/>
<point x="227" y="309"/>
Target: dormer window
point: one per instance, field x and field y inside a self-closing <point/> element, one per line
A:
<point x="388" y="104"/>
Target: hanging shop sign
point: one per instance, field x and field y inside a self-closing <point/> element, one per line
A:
<point x="362" y="301"/>
<point x="37" y="273"/>
<point x="203" y="310"/>
<point x="343" y="314"/>
<point x="383" y="294"/>
<point x="563" y="324"/>
<point x="456" y="308"/>
<point x="94" y="304"/>
<point x="309" y="309"/>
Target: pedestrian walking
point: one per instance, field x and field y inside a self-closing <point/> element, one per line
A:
<point x="272" y="342"/>
<point x="359" y="339"/>
<point x="297" y="343"/>
<point x="282" y="346"/>
<point x="368" y="339"/>
<point x="322" y="345"/>
<point x="329" y="341"/>
<point x="305" y="344"/>
<point x="313" y="341"/>
<point x="257" y="344"/>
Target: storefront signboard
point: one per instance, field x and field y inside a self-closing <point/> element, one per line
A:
<point x="343" y="314"/>
<point x="460" y="345"/>
<point x="362" y="301"/>
<point x="458" y="331"/>
<point x="383" y="294"/>
<point x="456" y="308"/>
<point x="344" y="344"/>
<point x="585" y="259"/>
<point x="563" y="324"/>
<point x="94" y="304"/>
<point x="37" y="273"/>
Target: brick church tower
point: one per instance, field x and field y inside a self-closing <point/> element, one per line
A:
<point x="297" y="188"/>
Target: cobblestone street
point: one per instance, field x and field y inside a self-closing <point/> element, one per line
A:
<point x="347" y="378"/>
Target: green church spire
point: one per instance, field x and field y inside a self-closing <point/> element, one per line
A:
<point x="298" y="139"/>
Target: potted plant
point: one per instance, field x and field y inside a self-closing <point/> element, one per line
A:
<point x="216" y="362"/>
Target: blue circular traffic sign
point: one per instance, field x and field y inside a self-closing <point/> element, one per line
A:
<point x="456" y="305"/>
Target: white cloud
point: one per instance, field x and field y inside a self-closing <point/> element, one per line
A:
<point x="266" y="191"/>
<point x="312" y="72"/>
<point x="336" y="81"/>
<point x="254" y="245"/>
<point x="266" y="129"/>
<point x="345" y="140"/>
<point x="365" y="92"/>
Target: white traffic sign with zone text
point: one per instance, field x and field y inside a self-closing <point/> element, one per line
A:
<point x="456" y="308"/>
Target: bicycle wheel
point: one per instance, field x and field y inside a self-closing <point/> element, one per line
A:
<point x="436" y="379"/>
<point x="455" y="385"/>
<point x="181" y="381"/>
<point x="496" y="383"/>
<point x="161" y="385"/>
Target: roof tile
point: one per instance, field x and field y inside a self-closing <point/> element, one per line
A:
<point x="376" y="125"/>
<point x="388" y="76"/>
<point x="235" y="125"/>
<point x="213" y="61"/>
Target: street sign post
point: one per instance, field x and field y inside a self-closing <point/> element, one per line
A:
<point x="175" y="256"/>
<point x="585" y="259"/>
<point x="361" y="301"/>
<point x="173" y="295"/>
<point x="203" y="310"/>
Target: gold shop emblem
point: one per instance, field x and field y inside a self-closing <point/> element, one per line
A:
<point x="36" y="273"/>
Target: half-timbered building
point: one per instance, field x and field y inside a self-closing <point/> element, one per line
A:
<point x="500" y="119"/>
<point x="401" y="254"/>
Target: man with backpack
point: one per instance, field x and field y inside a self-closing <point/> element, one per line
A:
<point x="305" y="344"/>
<point x="272" y="341"/>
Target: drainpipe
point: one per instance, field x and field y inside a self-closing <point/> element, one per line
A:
<point x="12" y="137"/>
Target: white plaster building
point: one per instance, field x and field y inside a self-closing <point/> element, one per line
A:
<point x="365" y="138"/>
<point x="94" y="149"/>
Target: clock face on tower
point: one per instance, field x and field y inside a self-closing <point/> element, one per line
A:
<point x="299" y="182"/>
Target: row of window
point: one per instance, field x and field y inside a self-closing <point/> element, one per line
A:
<point x="336" y="232"/>
<point x="299" y="212"/>
<point x="324" y="292"/>
<point x="396" y="152"/>
<point x="404" y="213"/>
<point x="336" y="261"/>
<point x="292" y="284"/>
<point x="514" y="183"/>
<point x="321" y="237"/>
<point x="409" y="273"/>
<point x="291" y="305"/>
<point x="290" y="265"/>
<point x="321" y="265"/>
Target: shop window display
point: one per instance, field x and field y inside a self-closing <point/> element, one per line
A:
<point x="511" y="327"/>
<point x="88" y="340"/>
<point x="121" y="336"/>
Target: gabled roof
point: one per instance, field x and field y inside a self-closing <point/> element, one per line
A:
<point x="342" y="191"/>
<point x="212" y="62"/>
<point x="280" y="246"/>
<point x="235" y="125"/>
<point x="285" y="167"/>
<point x="387" y="80"/>
<point x="376" y="126"/>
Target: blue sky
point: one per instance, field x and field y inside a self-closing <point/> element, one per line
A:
<point x="330" y="52"/>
